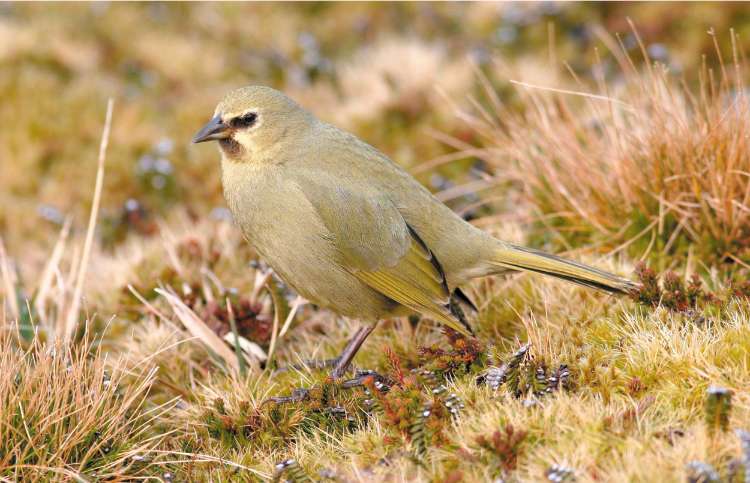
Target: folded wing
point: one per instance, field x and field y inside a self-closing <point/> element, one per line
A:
<point x="377" y="246"/>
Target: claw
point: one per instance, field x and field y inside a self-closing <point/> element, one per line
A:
<point x="298" y="395"/>
<point x="382" y="384"/>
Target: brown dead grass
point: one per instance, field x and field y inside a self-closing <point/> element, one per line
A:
<point x="651" y="163"/>
<point x="71" y="414"/>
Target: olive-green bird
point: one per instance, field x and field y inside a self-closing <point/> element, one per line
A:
<point x="348" y="228"/>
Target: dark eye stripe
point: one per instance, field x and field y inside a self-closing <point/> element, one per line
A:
<point x="244" y="121"/>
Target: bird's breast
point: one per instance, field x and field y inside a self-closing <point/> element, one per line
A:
<point x="286" y="231"/>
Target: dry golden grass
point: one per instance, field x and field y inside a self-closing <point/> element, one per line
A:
<point x="607" y="424"/>
<point x="655" y="163"/>
<point x="68" y="413"/>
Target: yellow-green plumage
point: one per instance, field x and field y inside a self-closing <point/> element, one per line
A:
<point x="348" y="228"/>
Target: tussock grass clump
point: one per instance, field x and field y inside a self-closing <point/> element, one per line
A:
<point x="648" y="162"/>
<point x="67" y="414"/>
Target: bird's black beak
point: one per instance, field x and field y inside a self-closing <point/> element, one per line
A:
<point x="214" y="129"/>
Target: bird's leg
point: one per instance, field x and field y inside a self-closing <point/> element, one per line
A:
<point x="351" y="349"/>
<point x="342" y="362"/>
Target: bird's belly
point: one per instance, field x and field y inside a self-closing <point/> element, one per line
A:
<point x="330" y="286"/>
<point x="287" y="233"/>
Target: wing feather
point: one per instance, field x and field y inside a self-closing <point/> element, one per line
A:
<point x="415" y="282"/>
<point x="377" y="246"/>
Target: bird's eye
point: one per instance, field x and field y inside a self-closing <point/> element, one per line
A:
<point x="244" y="121"/>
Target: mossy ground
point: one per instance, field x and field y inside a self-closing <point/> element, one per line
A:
<point x="561" y="382"/>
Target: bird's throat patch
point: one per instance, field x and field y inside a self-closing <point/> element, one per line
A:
<point x="231" y="148"/>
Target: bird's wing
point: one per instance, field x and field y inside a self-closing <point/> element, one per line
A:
<point x="378" y="247"/>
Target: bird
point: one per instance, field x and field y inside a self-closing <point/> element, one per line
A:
<point x="352" y="231"/>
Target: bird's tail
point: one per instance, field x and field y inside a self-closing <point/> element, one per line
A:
<point x="513" y="257"/>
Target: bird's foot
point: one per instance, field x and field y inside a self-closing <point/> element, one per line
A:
<point x="382" y="383"/>
<point x="301" y="394"/>
<point x="298" y="395"/>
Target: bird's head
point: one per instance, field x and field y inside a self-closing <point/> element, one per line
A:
<point x="252" y="120"/>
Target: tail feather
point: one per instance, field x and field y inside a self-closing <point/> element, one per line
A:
<point x="521" y="258"/>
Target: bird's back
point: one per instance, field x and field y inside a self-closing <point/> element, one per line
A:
<point x="350" y="162"/>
